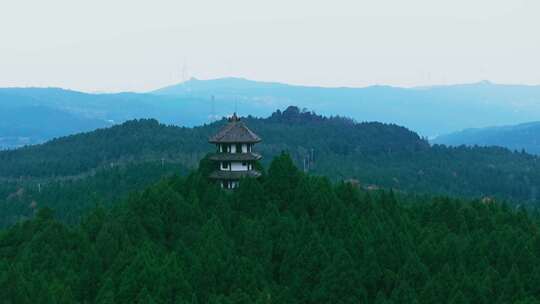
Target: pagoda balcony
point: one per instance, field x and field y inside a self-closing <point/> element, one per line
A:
<point x="234" y="175"/>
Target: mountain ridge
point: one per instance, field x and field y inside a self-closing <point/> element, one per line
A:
<point x="428" y="111"/>
<point x="524" y="136"/>
<point x="387" y="155"/>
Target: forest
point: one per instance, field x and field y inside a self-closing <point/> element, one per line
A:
<point x="74" y="172"/>
<point x="72" y="198"/>
<point x="337" y="147"/>
<point x="289" y="237"/>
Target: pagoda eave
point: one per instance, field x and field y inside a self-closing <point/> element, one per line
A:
<point x="250" y="156"/>
<point x="233" y="141"/>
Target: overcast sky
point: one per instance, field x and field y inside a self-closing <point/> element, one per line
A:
<point x="131" y="45"/>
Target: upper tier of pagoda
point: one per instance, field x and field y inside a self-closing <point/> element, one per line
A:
<point x="235" y="132"/>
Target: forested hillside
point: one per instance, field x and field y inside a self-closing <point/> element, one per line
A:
<point x="375" y="154"/>
<point x="71" y="198"/>
<point x="287" y="238"/>
<point x="136" y="140"/>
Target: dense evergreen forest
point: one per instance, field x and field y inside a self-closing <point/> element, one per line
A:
<point x="288" y="237"/>
<point x="71" y="198"/>
<point x="374" y="154"/>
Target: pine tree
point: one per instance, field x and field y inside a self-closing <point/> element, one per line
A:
<point x="512" y="287"/>
<point x="214" y="252"/>
<point x="106" y="293"/>
<point x="144" y="297"/>
<point x="283" y="177"/>
<point x="459" y="298"/>
<point x="250" y="197"/>
<point x="340" y="282"/>
<point x="174" y="286"/>
<point x="415" y="272"/>
<point x="404" y="294"/>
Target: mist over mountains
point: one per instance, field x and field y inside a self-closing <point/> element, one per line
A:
<point x="430" y="111"/>
<point x="516" y="137"/>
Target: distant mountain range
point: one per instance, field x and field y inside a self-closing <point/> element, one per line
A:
<point x="517" y="137"/>
<point x="430" y="111"/>
<point x="34" y="115"/>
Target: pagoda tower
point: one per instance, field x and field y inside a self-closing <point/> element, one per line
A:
<point x="234" y="155"/>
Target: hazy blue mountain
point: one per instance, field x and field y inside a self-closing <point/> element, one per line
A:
<point x="517" y="137"/>
<point x="24" y="125"/>
<point x="114" y="108"/>
<point x="27" y="113"/>
<point x="34" y="115"/>
<point x="428" y="110"/>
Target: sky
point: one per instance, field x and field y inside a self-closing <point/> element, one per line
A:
<point x="132" y="45"/>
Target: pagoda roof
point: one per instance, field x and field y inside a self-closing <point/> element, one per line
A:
<point x="235" y="156"/>
<point x="235" y="132"/>
<point x="234" y="175"/>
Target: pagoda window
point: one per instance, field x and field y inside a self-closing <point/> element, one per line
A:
<point x="225" y="165"/>
<point x="244" y="164"/>
<point x="223" y="148"/>
<point x="238" y="148"/>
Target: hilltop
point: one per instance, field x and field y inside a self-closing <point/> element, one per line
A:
<point x="429" y="111"/>
<point x="292" y="130"/>
<point x="373" y="153"/>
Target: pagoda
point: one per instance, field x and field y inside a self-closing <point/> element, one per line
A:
<point x="234" y="155"/>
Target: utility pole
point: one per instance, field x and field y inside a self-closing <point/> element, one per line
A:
<point x="213" y="113"/>
<point x="312" y="158"/>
